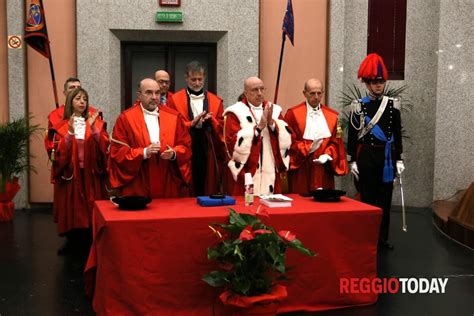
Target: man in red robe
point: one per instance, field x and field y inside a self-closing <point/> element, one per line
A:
<point x="257" y="141"/>
<point x="317" y="151"/>
<point x="163" y="79"/>
<point x="202" y="111"/>
<point x="150" y="151"/>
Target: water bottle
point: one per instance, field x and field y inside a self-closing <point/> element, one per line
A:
<point x="248" y="189"/>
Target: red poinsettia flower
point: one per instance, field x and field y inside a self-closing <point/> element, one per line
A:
<point x="287" y="235"/>
<point x="246" y="233"/>
<point x="262" y="231"/>
<point x="261" y="211"/>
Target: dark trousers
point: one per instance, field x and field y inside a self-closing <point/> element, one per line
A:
<point x="373" y="190"/>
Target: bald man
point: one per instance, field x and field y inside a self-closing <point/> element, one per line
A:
<point x="317" y="151"/>
<point x="257" y="141"/>
<point x="150" y="150"/>
<point x="163" y="79"/>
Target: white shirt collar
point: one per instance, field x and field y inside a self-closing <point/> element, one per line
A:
<point x="155" y="112"/>
<point x="195" y="97"/>
<point x="256" y="107"/>
<point x="310" y="108"/>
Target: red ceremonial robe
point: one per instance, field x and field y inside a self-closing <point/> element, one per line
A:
<point x="131" y="174"/>
<point x="75" y="188"/>
<point x="179" y="102"/>
<point x="304" y="174"/>
<point x="245" y="155"/>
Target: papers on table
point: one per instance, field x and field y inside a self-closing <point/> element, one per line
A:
<point x="275" y="200"/>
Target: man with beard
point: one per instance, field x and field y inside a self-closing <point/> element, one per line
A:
<point x="202" y="112"/>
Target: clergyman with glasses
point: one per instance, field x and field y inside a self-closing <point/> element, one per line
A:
<point x="163" y="79"/>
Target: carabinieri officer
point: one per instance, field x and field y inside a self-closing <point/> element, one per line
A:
<point x="375" y="141"/>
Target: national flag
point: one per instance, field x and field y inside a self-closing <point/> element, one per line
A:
<point x="36" y="33"/>
<point x="289" y="23"/>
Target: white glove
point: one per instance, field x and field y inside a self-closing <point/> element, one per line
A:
<point x="323" y="159"/>
<point x="400" y="167"/>
<point x="354" y="170"/>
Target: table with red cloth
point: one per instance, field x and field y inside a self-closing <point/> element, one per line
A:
<point x="151" y="261"/>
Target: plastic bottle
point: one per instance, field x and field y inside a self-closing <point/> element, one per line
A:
<point x="248" y="189"/>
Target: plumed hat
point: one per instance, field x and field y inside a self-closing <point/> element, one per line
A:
<point x="372" y="67"/>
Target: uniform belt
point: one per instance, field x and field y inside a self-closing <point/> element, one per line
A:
<point x="372" y="146"/>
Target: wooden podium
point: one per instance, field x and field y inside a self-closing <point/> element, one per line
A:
<point x="456" y="217"/>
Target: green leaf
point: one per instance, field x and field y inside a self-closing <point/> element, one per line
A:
<point x="236" y="219"/>
<point x="273" y="250"/>
<point x="213" y="253"/>
<point x="241" y="285"/>
<point x="280" y="264"/>
<point x="216" y="278"/>
<point x="250" y="219"/>
<point x="296" y="244"/>
<point x="238" y="253"/>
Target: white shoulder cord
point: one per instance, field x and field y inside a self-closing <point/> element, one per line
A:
<point x="356" y="109"/>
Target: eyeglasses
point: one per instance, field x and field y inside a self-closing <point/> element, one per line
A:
<point x="164" y="82"/>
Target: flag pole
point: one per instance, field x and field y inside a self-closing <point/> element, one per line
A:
<point x="50" y="58"/>
<point x="53" y="78"/>
<point x="279" y="68"/>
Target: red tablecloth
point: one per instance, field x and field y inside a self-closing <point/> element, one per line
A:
<point x="151" y="262"/>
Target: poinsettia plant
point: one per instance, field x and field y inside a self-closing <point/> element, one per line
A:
<point x="251" y="255"/>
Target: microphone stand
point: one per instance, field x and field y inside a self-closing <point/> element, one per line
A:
<point x="219" y="194"/>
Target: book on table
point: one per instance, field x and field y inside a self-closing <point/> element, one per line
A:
<point x="275" y="200"/>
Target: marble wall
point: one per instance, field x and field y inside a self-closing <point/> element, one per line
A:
<point x="17" y="84"/>
<point x="103" y="24"/>
<point x="454" y="141"/>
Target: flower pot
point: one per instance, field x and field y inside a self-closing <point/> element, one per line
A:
<point x="6" y="205"/>
<point x="264" y="304"/>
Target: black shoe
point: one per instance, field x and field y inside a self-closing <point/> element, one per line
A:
<point x="385" y="245"/>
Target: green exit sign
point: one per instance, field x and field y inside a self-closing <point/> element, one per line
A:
<point x="169" y="17"/>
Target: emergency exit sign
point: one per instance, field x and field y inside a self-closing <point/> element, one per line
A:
<point x="169" y="17"/>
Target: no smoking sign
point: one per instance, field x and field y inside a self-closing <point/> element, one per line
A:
<point x="14" y="41"/>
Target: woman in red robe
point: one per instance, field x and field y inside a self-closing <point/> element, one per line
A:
<point x="79" y="169"/>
